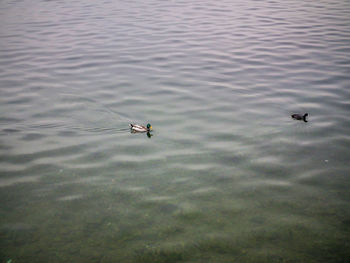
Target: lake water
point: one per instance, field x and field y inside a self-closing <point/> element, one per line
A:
<point x="226" y="175"/>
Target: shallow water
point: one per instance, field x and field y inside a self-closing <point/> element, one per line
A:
<point x="227" y="175"/>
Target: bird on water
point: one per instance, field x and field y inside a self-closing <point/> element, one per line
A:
<point x="300" y="117"/>
<point x="140" y="128"/>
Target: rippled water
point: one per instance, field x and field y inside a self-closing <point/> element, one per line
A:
<point x="227" y="175"/>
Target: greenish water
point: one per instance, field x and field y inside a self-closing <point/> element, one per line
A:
<point x="227" y="175"/>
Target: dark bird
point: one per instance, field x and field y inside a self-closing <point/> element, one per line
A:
<point x="300" y="117"/>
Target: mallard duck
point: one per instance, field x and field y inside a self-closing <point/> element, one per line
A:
<point x="140" y="128"/>
<point x="300" y="117"/>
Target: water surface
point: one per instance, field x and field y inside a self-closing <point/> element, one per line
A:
<point x="227" y="176"/>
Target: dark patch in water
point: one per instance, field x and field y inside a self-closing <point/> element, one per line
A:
<point x="67" y="133"/>
<point x="10" y="130"/>
<point x="257" y="220"/>
<point x="33" y="136"/>
<point x="167" y="208"/>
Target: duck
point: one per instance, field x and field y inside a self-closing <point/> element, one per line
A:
<point x="140" y="128"/>
<point x="299" y="117"/>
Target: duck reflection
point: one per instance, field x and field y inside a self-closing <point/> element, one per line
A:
<point x="149" y="135"/>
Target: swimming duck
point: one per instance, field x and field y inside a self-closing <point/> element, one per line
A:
<point x="140" y="128"/>
<point x="300" y="117"/>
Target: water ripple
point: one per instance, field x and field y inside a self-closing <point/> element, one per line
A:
<point x="218" y="81"/>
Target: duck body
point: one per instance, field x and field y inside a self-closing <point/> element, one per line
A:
<point x="299" y="117"/>
<point x="140" y="128"/>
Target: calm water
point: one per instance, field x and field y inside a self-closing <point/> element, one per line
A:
<point x="227" y="176"/>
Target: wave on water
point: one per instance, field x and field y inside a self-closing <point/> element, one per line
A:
<point x="72" y="112"/>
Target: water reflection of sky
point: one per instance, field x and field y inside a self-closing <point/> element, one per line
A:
<point x="228" y="173"/>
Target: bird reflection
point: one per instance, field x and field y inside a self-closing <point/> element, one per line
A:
<point x="149" y="135"/>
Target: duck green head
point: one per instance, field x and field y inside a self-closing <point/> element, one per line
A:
<point x="149" y="127"/>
